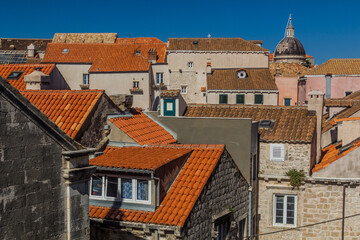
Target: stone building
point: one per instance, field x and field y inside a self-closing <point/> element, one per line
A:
<point x="201" y="195"/>
<point x="336" y="78"/>
<point x="126" y="66"/>
<point x="189" y="61"/>
<point x="44" y="174"/>
<point x="20" y="50"/>
<point x="290" y="49"/>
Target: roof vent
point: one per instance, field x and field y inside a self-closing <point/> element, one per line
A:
<point x="37" y="68"/>
<point x="266" y="124"/>
<point x="65" y="50"/>
<point x="195" y="42"/>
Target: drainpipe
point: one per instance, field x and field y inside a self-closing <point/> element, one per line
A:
<point x="328" y="85"/>
<point x="343" y="213"/>
<point x="250" y="213"/>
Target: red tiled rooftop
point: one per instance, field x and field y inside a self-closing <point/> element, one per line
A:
<point x="181" y="197"/>
<point x="106" y="57"/>
<point x="6" y="69"/>
<point x="145" y="158"/>
<point x="68" y="109"/>
<point x="143" y="129"/>
<point x="332" y="153"/>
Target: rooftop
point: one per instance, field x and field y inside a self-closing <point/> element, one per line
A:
<point x="213" y="44"/>
<point x="288" y="69"/>
<point x="256" y="78"/>
<point x="182" y="195"/>
<point x="291" y="124"/>
<point x="346" y="66"/>
<point x="106" y="57"/>
<point x="23" y="43"/>
<point x="7" y="69"/>
<point x="68" y="109"/>
<point x="143" y="129"/>
<point x="84" y="38"/>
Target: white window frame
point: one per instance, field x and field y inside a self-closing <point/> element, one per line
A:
<point x="185" y="89"/>
<point x="190" y="65"/>
<point x="275" y="159"/>
<point x="159" y="80"/>
<point x="138" y="84"/>
<point x="87" y="80"/>
<point x="118" y="198"/>
<point x="284" y="210"/>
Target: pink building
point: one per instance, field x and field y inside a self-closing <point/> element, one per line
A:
<point x="337" y="78"/>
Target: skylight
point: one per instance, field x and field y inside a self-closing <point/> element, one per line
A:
<point x="15" y="75"/>
<point x="266" y="124"/>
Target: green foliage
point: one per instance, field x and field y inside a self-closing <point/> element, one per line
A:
<point x="231" y="209"/>
<point x="307" y="63"/>
<point x="296" y="177"/>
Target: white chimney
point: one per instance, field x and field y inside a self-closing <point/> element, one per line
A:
<point x="37" y="80"/>
<point x="31" y="50"/>
<point x="208" y="68"/>
<point x="316" y="103"/>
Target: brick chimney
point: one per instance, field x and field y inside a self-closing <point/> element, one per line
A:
<point x="37" y="80"/>
<point x="208" y="68"/>
<point x="316" y="103"/>
<point x="31" y="50"/>
<point x="152" y="55"/>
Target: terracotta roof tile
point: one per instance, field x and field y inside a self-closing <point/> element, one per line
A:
<point x="291" y="124"/>
<point x="332" y="153"/>
<point x="346" y="113"/>
<point x="66" y="108"/>
<point x="170" y="93"/>
<point x="6" y="69"/>
<point x="213" y="44"/>
<point x="257" y="78"/>
<point x="346" y="66"/>
<point x="117" y="57"/>
<point x="143" y="129"/>
<point x="181" y="197"/>
<point x="84" y="38"/>
<point x="288" y="69"/>
<point x="339" y="102"/>
<point x="145" y="158"/>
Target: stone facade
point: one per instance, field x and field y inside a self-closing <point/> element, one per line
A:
<point x="316" y="202"/>
<point x="225" y="194"/>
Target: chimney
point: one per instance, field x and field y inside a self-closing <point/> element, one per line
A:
<point x="152" y="55"/>
<point x="37" y="80"/>
<point x="31" y="50"/>
<point x="316" y="103"/>
<point x="208" y="68"/>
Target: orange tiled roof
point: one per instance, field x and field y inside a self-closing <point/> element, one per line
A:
<point x="106" y="57"/>
<point x="170" y="93"/>
<point x="339" y="102"/>
<point x="346" y="66"/>
<point x="181" y="197"/>
<point x="346" y="113"/>
<point x="66" y="108"/>
<point x="332" y="153"/>
<point x="271" y="57"/>
<point x="145" y="158"/>
<point x="291" y="124"/>
<point x="143" y="129"/>
<point x="6" y="69"/>
<point x="288" y="69"/>
<point x="257" y="78"/>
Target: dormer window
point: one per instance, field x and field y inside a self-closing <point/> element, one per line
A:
<point x="137" y="52"/>
<point x="15" y="75"/>
<point x="65" y="50"/>
<point x="241" y="74"/>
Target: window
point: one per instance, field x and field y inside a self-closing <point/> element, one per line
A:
<point x="124" y="189"/>
<point x="223" y="99"/>
<point x="86" y="79"/>
<point x="241" y="74"/>
<point x="258" y="99"/>
<point x="136" y="84"/>
<point x="190" y="64"/>
<point x="240" y="99"/>
<point x="277" y="152"/>
<point x="222" y="227"/>
<point x="15" y="75"/>
<point x="284" y="212"/>
<point x="287" y="101"/>
<point x="159" y="78"/>
<point x="183" y="89"/>
<point x="347" y="93"/>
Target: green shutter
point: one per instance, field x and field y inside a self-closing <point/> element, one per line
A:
<point x="258" y="99"/>
<point x="223" y="99"/>
<point x="240" y="99"/>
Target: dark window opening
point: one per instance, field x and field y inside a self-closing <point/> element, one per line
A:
<point x="287" y="101"/>
<point x="15" y="75"/>
<point x="347" y="93"/>
<point x="258" y="99"/>
<point x="240" y="99"/>
<point x="223" y="99"/>
<point x="266" y="124"/>
<point x="222" y="227"/>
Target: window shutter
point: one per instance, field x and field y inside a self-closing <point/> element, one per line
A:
<point x="277" y="152"/>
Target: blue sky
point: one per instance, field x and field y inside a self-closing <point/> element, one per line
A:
<point x="327" y="29"/>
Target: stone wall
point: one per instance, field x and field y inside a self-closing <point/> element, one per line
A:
<point x="296" y="156"/>
<point x="316" y="202"/>
<point x="226" y="190"/>
<point x="31" y="185"/>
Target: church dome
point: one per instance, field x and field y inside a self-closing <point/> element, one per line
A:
<point x="290" y="46"/>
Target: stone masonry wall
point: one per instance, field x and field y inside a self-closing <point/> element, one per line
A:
<point x="296" y="156"/>
<point x="316" y="202"/>
<point x="31" y="184"/>
<point x="226" y="189"/>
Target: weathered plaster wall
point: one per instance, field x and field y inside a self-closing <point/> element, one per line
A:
<point x="73" y="74"/>
<point x="31" y="184"/>
<point x="288" y="88"/>
<point x="316" y="203"/>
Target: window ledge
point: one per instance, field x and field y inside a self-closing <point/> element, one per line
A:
<point x="156" y="86"/>
<point x="84" y="86"/>
<point x="136" y="91"/>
